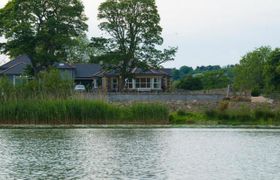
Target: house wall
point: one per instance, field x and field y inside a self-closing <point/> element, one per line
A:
<point x="67" y="73"/>
<point x="15" y="79"/>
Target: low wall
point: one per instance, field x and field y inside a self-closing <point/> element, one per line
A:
<point x="164" y="97"/>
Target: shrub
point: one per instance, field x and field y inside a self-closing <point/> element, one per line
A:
<point x="181" y="112"/>
<point x="190" y="83"/>
<point x="47" y="84"/>
<point x="174" y="119"/>
<point x="255" y="92"/>
<point x="223" y="106"/>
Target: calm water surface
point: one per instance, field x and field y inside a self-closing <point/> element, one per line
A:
<point x="140" y="154"/>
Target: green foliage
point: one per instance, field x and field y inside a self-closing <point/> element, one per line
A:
<point x="47" y="84"/>
<point x="135" y="33"/>
<point x="264" y="113"/>
<point x="183" y="117"/>
<point x="150" y="112"/>
<point x="190" y="83"/>
<point x="223" y="106"/>
<point x="244" y="115"/>
<point x="78" y="112"/>
<point x="272" y="71"/>
<point x="43" y="30"/>
<point x="250" y="71"/>
<point x="182" y="72"/>
<point x="182" y="112"/>
<point x="202" y="69"/>
<point x="255" y="92"/>
<point x="6" y="89"/>
<point x="211" y="77"/>
<point x="215" y="79"/>
<point x="259" y="71"/>
<point x="177" y="119"/>
<point x="81" y="52"/>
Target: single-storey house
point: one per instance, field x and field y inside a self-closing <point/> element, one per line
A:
<point x="94" y="77"/>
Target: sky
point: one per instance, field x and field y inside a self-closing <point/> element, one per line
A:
<point x="209" y="32"/>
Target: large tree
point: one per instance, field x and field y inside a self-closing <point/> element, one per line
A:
<point x="272" y="72"/>
<point x="42" y="29"/>
<point x="134" y="37"/>
<point x="250" y="71"/>
<point x="81" y="52"/>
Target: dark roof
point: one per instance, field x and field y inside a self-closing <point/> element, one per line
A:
<point x="20" y="59"/>
<point x="168" y="71"/>
<point x="87" y="70"/>
<point x="16" y="66"/>
<point x="17" y="69"/>
<point x="149" y="71"/>
<point x="63" y="66"/>
<point x="139" y="71"/>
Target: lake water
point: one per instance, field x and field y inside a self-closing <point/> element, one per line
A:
<point x="140" y="154"/>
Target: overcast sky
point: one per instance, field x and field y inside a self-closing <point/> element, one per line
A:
<point x="215" y="32"/>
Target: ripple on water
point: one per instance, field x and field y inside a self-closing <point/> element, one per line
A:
<point x="139" y="154"/>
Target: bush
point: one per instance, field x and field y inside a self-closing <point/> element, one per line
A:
<point x="181" y="113"/>
<point x="173" y="119"/>
<point x="255" y="92"/>
<point x="223" y="106"/>
<point x="190" y="83"/>
<point x="47" y="84"/>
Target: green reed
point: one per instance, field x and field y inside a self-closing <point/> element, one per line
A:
<point x="71" y="111"/>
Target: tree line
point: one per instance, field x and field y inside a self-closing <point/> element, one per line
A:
<point x="258" y="72"/>
<point x="203" y="77"/>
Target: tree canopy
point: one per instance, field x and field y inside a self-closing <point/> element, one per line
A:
<point x="250" y="71"/>
<point x="272" y="72"/>
<point x="134" y="35"/>
<point x="42" y="29"/>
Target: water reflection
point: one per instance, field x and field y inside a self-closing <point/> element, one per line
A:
<point x="139" y="154"/>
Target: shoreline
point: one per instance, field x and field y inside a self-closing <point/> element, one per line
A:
<point x="137" y="127"/>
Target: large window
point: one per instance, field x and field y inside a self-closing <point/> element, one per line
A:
<point x="143" y="82"/>
<point x="157" y="83"/>
<point x="129" y="83"/>
<point x="114" y="82"/>
<point x="20" y="80"/>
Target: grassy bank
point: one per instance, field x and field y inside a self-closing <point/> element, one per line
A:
<point x="87" y="112"/>
<point x="222" y="115"/>
<point x="80" y="112"/>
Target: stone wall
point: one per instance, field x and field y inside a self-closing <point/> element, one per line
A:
<point x="163" y="97"/>
<point x="154" y="97"/>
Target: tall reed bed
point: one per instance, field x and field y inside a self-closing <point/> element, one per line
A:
<point x="53" y="111"/>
